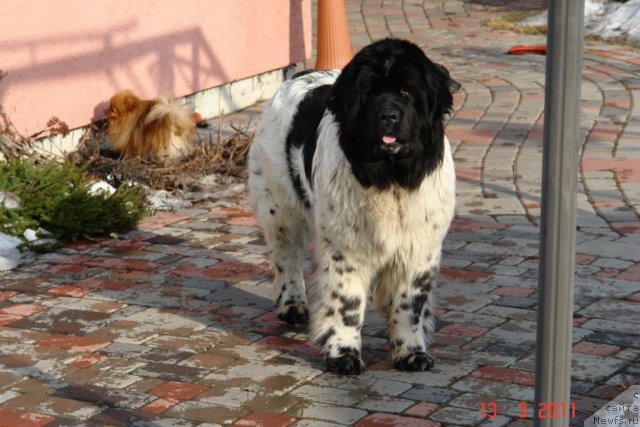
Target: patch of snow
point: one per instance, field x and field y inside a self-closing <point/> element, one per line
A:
<point x="9" y="200"/>
<point x="607" y="19"/>
<point x="30" y="234"/>
<point x="163" y="200"/>
<point x="9" y="254"/>
<point x="39" y="237"/>
<point x="101" y="187"/>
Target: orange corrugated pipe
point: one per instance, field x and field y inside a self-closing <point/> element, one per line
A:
<point x="333" y="43"/>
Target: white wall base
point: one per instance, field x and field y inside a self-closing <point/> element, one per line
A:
<point x="224" y="99"/>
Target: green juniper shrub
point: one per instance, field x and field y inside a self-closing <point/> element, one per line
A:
<point x="56" y="197"/>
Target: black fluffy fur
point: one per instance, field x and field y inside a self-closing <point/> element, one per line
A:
<point x="393" y="73"/>
<point x="304" y="133"/>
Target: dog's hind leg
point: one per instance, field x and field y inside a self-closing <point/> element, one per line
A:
<point x="287" y="240"/>
<point x="286" y="233"/>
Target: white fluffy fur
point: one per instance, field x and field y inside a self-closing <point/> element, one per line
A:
<point x="366" y="240"/>
<point x="182" y="133"/>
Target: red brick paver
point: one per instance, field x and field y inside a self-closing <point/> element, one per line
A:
<point x="178" y="390"/>
<point x="506" y="375"/>
<point x="14" y="418"/>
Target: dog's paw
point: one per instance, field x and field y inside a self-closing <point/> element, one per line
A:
<point x="349" y="364"/>
<point x="295" y="315"/>
<point x="415" y="362"/>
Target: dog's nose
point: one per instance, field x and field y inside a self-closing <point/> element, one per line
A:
<point x="390" y="115"/>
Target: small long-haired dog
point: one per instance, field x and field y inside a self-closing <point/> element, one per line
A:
<point x="159" y="129"/>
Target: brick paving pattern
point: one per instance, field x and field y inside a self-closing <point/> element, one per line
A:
<point x="171" y="325"/>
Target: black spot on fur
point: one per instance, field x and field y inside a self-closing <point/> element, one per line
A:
<point x="423" y="281"/>
<point x="351" y="320"/>
<point x="350" y="303"/>
<point x="303" y="133"/>
<point x="272" y="211"/>
<point x="322" y="340"/>
<point x="337" y="257"/>
<point x="417" y="303"/>
<point x="334" y="295"/>
<point x="279" y="268"/>
<point x="330" y="312"/>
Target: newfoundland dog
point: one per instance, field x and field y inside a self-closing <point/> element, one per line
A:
<point x="358" y="159"/>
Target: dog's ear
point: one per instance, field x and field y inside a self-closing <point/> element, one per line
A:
<point x="131" y="102"/>
<point x="453" y="85"/>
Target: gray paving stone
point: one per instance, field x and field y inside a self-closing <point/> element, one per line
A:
<point x="590" y="367"/>
<point x="520" y="331"/>
<point x="612" y="326"/>
<point x="458" y="416"/>
<point x="328" y="395"/>
<point x="471" y="318"/>
<point x="431" y="394"/>
<point x="385" y="404"/>
<point x="627" y="311"/>
<point x="371" y="384"/>
<point x="328" y="413"/>
<point x="491" y="388"/>
<point x="440" y="375"/>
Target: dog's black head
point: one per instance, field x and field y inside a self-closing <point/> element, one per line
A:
<point x="390" y="102"/>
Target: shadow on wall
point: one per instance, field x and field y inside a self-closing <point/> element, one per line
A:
<point x="296" y="26"/>
<point x="164" y="56"/>
<point x="175" y="63"/>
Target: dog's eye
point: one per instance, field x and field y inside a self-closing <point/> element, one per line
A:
<point x="405" y="93"/>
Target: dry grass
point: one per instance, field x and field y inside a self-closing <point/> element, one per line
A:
<point x="509" y="21"/>
<point x="224" y="157"/>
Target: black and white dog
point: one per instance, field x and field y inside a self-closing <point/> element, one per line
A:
<point x="360" y="160"/>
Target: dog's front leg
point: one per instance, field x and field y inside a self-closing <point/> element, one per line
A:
<point x="340" y="297"/>
<point x="410" y="314"/>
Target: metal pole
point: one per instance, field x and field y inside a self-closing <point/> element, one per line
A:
<point x="558" y="218"/>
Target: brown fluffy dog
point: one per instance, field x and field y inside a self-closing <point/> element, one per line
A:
<point x="159" y="129"/>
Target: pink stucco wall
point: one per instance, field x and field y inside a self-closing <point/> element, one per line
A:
<point x="67" y="57"/>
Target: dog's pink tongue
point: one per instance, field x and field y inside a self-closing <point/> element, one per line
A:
<point x="388" y="139"/>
